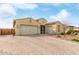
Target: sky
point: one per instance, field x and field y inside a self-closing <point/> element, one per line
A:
<point x="64" y="12"/>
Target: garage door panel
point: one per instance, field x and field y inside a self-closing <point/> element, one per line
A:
<point x="28" y="30"/>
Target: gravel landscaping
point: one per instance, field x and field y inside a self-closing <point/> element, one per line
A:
<point x="37" y="45"/>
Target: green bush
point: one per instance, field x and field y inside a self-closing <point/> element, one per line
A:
<point x="71" y="32"/>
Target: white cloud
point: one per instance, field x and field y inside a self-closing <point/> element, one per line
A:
<point x="29" y="6"/>
<point x="7" y="9"/>
<point x="62" y="15"/>
<point x="6" y="12"/>
<point x="6" y="23"/>
<point x="10" y="9"/>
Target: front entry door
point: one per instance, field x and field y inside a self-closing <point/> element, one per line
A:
<point x="42" y="29"/>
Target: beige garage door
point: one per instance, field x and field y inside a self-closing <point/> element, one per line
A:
<point x="28" y="30"/>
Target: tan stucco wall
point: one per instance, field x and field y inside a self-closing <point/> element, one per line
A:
<point x="53" y="28"/>
<point x="26" y="21"/>
<point x="62" y="27"/>
<point x="42" y="21"/>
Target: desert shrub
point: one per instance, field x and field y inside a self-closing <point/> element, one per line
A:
<point x="71" y="32"/>
<point x="75" y="40"/>
<point x="74" y="33"/>
<point x="59" y="36"/>
<point x="62" y="33"/>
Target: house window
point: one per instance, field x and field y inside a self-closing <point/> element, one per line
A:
<point x="58" y="28"/>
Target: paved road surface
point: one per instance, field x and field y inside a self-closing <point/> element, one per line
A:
<point x="37" y="45"/>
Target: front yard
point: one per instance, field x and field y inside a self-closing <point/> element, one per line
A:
<point x="67" y="37"/>
<point x="37" y="45"/>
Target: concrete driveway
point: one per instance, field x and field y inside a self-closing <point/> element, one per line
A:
<point x="37" y="45"/>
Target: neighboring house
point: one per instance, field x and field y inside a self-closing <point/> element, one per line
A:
<point x="73" y="28"/>
<point x="27" y="26"/>
<point x="76" y="29"/>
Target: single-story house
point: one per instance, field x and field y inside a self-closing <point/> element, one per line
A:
<point x="27" y="26"/>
